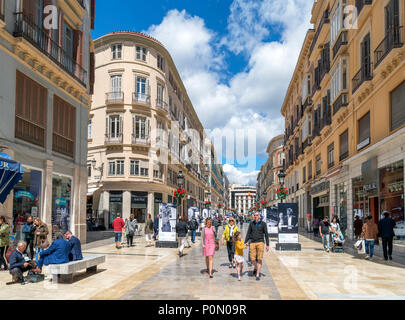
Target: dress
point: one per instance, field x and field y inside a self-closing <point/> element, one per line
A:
<point x="209" y="249"/>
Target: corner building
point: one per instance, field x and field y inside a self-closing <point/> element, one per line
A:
<point x="143" y="130"/>
<point x="345" y="114"/>
<point x="46" y="79"/>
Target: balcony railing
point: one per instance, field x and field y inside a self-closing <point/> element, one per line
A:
<point x="162" y="105"/>
<point x="114" y="97"/>
<point x="324" y="20"/>
<point x="41" y="40"/>
<point x="392" y="40"/>
<point x="361" y="3"/>
<point x="81" y="2"/>
<point x="364" y="74"/>
<point x="113" y="139"/>
<point x="29" y="131"/>
<point x="341" y="41"/>
<point x="307" y="103"/>
<point x="140" y="141"/>
<point x="63" y="145"/>
<point x="306" y="144"/>
<point x="140" y="98"/>
<point x="343" y="156"/>
<point x="341" y="101"/>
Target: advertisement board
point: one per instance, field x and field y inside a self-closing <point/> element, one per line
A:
<point x="193" y="212"/>
<point x="272" y="219"/>
<point x="167" y="222"/>
<point x="288" y="222"/>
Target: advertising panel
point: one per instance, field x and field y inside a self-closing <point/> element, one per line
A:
<point x="167" y="221"/>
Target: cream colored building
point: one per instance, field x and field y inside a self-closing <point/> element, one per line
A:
<point x="242" y="198"/>
<point x="143" y="131"/>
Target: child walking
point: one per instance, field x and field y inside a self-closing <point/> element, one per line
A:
<point x="239" y="246"/>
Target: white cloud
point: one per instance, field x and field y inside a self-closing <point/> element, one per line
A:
<point x="237" y="176"/>
<point x="250" y="99"/>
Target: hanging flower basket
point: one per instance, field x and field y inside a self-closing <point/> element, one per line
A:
<point x="282" y="193"/>
<point x="179" y="194"/>
<point x="207" y="204"/>
<point x="264" y="203"/>
<point x="220" y="205"/>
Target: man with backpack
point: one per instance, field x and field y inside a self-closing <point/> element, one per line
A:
<point x="182" y="230"/>
<point x="193" y="226"/>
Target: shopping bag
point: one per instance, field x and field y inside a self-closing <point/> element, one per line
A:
<point x="357" y="245"/>
<point x="362" y="249"/>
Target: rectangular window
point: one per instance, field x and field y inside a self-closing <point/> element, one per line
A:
<point x="116" y="82"/>
<point x="120" y="167"/>
<point x="89" y="129"/>
<point x="344" y="145"/>
<point x="142" y="88"/>
<point x="336" y="23"/>
<point x="310" y="170"/>
<point x="331" y="155"/>
<point x="111" y="168"/>
<point x="64" y="127"/>
<point x="30" y="110"/>
<point x="140" y="127"/>
<point x="140" y="53"/>
<point x="134" y="168"/>
<point x="363" y="131"/>
<point x="116" y="50"/>
<point x="318" y="164"/>
<point x="160" y="62"/>
<point x="398" y="107"/>
<point x="114" y="126"/>
<point x="116" y="168"/>
<point x="159" y="94"/>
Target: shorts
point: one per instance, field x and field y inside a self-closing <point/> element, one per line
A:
<point x="256" y="251"/>
<point x="118" y="236"/>
<point x="239" y="259"/>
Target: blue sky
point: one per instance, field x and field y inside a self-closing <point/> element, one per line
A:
<point x="235" y="57"/>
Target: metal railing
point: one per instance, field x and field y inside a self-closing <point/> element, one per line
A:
<point x="391" y="41"/>
<point x="141" y="141"/>
<point x="306" y="144"/>
<point x="41" y="40"/>
<point x="116" y="139"/>
<point x="63" y="145"/>
<point x="141" y="98"/>
<point x="364" y="74"/>
<point x="114" y="97"/>
<point x="341" y="41"/>
<point x="162" y="105"/>
<point x="341" y="101"/>
<point x="360" y="5"/>
<point x="343" y="156"/>
<point x="307" y="103"/>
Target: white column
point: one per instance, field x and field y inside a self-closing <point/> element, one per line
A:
<point x="47" y="211"/>
<point x="126" y="204"/>
<point x="105" y="207"/>
<point x="151" y="200"/>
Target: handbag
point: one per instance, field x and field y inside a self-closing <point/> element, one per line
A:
<point x="44" y="244"/>
<point x="216" y="244"/>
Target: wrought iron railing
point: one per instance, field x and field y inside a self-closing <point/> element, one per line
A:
<point x="364" y="74"/>
<point x="324" y="20"/>
<point x="41" y="40"/>
<point x="343" y="156"/>
<point x="341" y="41"/>
<point x="162" y="105"/>
<point x="114" y="97"/>
<point x="341" y="101"/>
<point x="113" y="139"/>
<point x="361" y="3"/>
<point x="141" y="98"/>
<point x="391" y="41"/>
<point x="141" y="141"/>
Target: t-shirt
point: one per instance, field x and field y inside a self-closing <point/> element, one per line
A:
<point x="324" y="227"/>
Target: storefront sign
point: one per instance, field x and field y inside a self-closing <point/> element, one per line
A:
<point x="288" y="238"/>
<point x="20" y="194"/>
<point x="136" y="199"/>
<point x="323" y="186"/>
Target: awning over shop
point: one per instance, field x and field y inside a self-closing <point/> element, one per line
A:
<point x="90" y="191"/>
<point x="10" y="174"/>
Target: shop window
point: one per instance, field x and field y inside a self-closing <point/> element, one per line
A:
<point x="139" y="205"/>
<point x="344" y="145"/>
<point x="398" y="107"/>
<point x="26" y="200"/>
<point x="64" y="127"/>
<point x="363" y="131"/>
<point x="331" y="155"/>
<point x="61" y="204"/>
<point x="115" y="206"/>
<point x="30" y="110"/>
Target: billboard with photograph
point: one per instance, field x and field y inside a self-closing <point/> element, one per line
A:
<point x="272" y="219"/>
<point x="167" y="222"/>
<point x="193" y="212"/>
<point x="288" y="222"/>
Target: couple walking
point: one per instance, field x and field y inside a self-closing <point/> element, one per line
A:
<point x="256" y="236"/>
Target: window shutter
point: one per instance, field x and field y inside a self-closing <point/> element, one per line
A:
<point x="92" y="72"/>
<point x="106" y="125"/>
<point x="398" y="107"/>
<point x="136" y="85"/>
<point x="147" y="128"/>
<point x="364" y="128"/>
<point x="120" y="132"/>
<point x="61" y="25"/>
<point x="92" y="12"/>
<point x="344" y="143"/>
<point x="133" y="125"/>
<point x="147" y="88"/>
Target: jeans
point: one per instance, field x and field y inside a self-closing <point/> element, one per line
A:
<point x="309" y="226"/>
<point x="231" y="250"/>
<point x="183" y="241"/>
<point x="387" y="247"/>
<point x="30" y="245"/>
<point x="192" y="235"/>
<point x="19" y="273"/>
<point x="118" y="236"/>
<point x="216" y="229"/>
<point x="370" y="247"/>
<point x="38" y="250"/>
<point x="326" y="238"/>
<point x="130" y="240"/>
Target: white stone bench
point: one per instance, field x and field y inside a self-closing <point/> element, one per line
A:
<point x="65" y="271"/>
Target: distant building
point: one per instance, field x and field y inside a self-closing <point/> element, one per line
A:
<point x="242" y="198"/>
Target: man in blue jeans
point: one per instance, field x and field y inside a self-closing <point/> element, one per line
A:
<point x="324" y="231"/>
<point x="193" y="226"/>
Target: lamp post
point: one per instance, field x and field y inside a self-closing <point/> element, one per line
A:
<point x="281" y="178"/>
<point x="180" y="183"/>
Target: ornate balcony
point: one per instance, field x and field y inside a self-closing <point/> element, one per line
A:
<point x="40" y="39"/>
<point x="340" y="42"/>
<point x="162" y="105"/>
<point x="114" y="98"/>
<point x="324" y="20"/>
<point x="391" y="41"/>
<point x="341" y="101"/>
<point x="364" y="74"/>
<point x="140" y="141"/>
<point x="361" y="3"/>
<point x="113" y="139"/>
<point x="307" y="103"/>
<point x="306" y="143"/>
<point x="140" y="98"/>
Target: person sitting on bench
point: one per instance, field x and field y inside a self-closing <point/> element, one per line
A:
<point x="18" y="265"/>
<point x="75" y="247"/>
<point x="57" y="253"/>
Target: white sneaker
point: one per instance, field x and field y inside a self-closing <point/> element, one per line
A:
<point x="239" y="278"/>
<point x="367" y="257"/>
<point x="370" y="258"/>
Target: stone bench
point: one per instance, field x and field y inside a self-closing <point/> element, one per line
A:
<point x="65" y="271"/>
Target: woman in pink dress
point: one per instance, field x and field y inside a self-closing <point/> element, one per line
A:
<point x="208" y="236"/>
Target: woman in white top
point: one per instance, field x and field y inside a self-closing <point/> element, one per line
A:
<point x="336" y="228"/>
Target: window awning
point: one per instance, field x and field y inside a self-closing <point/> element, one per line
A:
<point x="90" y="191"/>
<point x="10" y="174"/>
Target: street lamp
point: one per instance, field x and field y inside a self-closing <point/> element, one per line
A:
<point x="281" y="178"/>
<point x="180" y="183"/>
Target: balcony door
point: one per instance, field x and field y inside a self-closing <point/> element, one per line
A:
<point x="67" y="47"/>
<point x="142" y="88"/>
<point x="392" y="23"/>
<point x="366" y="57"/>
<point x="141" y="128"/>
<point x="114" y="127"/>
<point x="116" y="82"/>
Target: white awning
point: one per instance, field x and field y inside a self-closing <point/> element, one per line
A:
<point x="90" y="191"/>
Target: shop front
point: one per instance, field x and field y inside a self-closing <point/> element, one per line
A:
<point x="61" y="203"/>
<point x="115" y="206"/>
<point x="158" y="199"/>
<point x="26" y="199"/>
<point x="339" y="208"/>
<point x="320" y="200"/>
<point x="139" y="205"/>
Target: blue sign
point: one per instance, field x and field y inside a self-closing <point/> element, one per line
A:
<point x="60" y="202"/>
<point x="22" y="193"/>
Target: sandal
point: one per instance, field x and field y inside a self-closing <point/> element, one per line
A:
<point x="230" y="265"/>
